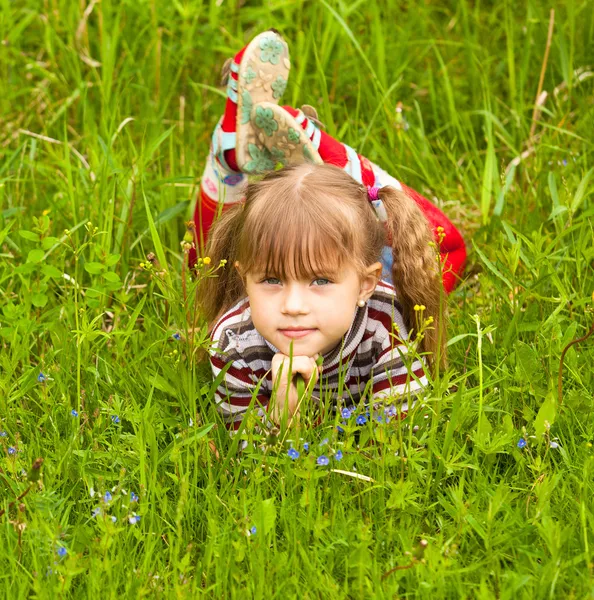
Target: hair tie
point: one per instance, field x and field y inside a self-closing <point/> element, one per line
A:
<point x="372" y="192"/>
<point x="376" y="203"/>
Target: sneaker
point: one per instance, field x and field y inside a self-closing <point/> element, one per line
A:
<point x="258" y="73"/>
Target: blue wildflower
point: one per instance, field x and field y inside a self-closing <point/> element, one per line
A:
<point x="521" y="443"/>
<point x="74" y="413"/>
<point x="133" y="519"/>
<point x="564" y="162"/>
<point x="115" y="418"/>
<point x="361" y="420"/>
<point x="62" y="552"/>
<point x="107" y="497"/>
<point x="324" y="442"/>
<point x="323" y="460"/>
<point x="306" y="446"/>
<point x="346" y="413"/>
<point x="176" y="336"/>
<point x="390" y="411"/>
<point x="253" y="530"/>
<point x="113" y="518"/>
<point x="379" y="418"/>
<point x="293" y="454"/>
<point x="11" y="450"/>
<point x="96" y="512"/>
<point x="3" y="434"/>
<point x="338" y="455"/>
<point x="340" y="429"/>
<point x="133" y="497"/>
<point x="41" y="378"/>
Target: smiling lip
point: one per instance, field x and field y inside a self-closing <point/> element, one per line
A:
<point x="296" y="332"/>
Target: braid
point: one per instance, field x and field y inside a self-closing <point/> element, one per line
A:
<point x="415" y="270"/>
<point x="217" y="294"/>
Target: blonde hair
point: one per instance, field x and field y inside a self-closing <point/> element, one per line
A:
<point x="300" y="217"/>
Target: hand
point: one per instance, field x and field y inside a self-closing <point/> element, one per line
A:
<point x="284" y="395"/>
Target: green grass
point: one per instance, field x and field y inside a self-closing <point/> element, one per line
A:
<point x="105" y="121"/>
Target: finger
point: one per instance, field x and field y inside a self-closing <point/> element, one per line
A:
<point x="308" y="368"/>
<point x="303" y="365"/>
<point x="278" y="359"/>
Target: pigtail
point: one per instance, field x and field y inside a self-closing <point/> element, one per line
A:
<point x="216" y="294"/>
<point x="415" y="271"/>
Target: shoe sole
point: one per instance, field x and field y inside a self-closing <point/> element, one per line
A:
<point x="276" y="139"/>
<point x="262" y="77"/>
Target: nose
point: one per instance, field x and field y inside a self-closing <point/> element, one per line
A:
<point x="294" y="300"/>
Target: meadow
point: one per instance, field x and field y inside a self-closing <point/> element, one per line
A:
<point x="486" y="490"/>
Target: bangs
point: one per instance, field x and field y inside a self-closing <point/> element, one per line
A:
<point x="302" y="246"/>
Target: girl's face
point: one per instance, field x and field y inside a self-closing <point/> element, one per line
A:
<point x="312" y="314"/>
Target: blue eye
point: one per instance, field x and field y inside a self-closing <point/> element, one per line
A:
<point x="323" y="280"/>
<point x="271" y="280"/>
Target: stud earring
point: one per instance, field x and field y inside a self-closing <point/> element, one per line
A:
<point x="361" y="303"/>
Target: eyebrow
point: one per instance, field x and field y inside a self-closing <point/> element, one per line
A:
<point x="327" y="274"/>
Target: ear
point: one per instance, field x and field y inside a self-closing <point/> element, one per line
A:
<point x="369" y="281"/>
<point x="239" y="270"/>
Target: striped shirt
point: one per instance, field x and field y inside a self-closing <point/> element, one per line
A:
<point x="371" y="358"/>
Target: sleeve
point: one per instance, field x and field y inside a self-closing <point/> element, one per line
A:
<point x="238" y="385"/>
<point x="393" y="373"/>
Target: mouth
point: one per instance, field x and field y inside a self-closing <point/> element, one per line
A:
<point x="296" y="332"/>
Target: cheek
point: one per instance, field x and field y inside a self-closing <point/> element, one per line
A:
<point x="339" y="316"/>
<point x="261" y="311"/>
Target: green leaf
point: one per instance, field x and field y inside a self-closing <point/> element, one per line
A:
<point x="508" y="425"/>
<point x="457" y="338"/>
<point x="558" y="207"/>
<point x="51" y="271"/>
<point x="162" y="384"/>
<point x="111" y="277"/>
<point x="94" y="268"/>
<point x="546" y="415"/>
<point x="489" y="174"/>
<point x="509" y="179"/>
<point x="11" y="212"/>
<point x="35" y="255"/>
<point x="265" y="516"/>
<point x="4" y="232"/>
<point x="29" y="235"/>
<point x="581" y="191"/>
<point x="164" y="216"/>
<point x="403" y="495"/>
<point x="492" y="267"/>
<point x="112" y="259"/>
<point x="48" y="242"/>
<point x="175" y="446"/>
<point x="159" y="251"/>
<point x="39" y="300"/>
<point x="155" y="145"/>
<point x="484" y="431"/>
<point x="528" y="362"/>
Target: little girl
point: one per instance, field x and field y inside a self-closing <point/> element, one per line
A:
<point x="303" y="281"/>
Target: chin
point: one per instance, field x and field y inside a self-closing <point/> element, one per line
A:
<point x="300" y="348"/>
